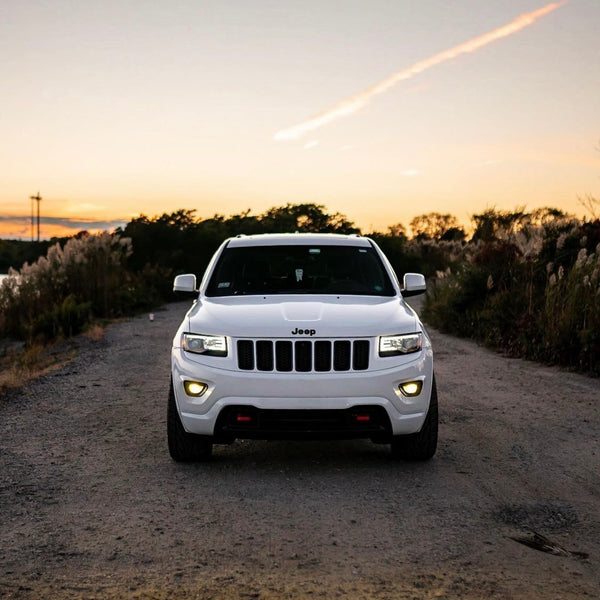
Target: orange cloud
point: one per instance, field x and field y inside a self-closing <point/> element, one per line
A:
<point x="355" y="103"/>
<point x="19" y="227"/>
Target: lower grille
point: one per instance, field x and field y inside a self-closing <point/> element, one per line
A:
<point x="249" y="422"/>
<point x="303" y="356"/>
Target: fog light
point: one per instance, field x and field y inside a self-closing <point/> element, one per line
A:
<point x="194" y="388"/>
<point x="411" y="388"/>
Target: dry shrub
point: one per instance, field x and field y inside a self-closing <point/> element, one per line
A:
<point x="94" y="332"/>
<point x="63" y="291"/>
<point x="22" y="365"/>
<point x="531" y="291"/>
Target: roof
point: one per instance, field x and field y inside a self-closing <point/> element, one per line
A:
<point x="298" y="239"/>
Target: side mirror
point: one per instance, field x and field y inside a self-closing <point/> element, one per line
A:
<point x="185" y="283"/>
<point x="413" y="285"/>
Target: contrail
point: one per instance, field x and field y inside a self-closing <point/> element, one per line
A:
<point x="355" y="103"/>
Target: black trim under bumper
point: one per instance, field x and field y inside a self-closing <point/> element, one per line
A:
<point x="249" y="422"/>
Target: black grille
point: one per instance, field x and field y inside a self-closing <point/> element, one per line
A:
<point x="264" y="356"/>
<point x="360" y="356"/>
<point x="341" y="356"/>
<point x="284" y="355"/>
<point x="245" y="350"/>
<point x="303" y="356"/>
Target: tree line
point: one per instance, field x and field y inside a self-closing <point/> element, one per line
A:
<point x="526" y="282"/>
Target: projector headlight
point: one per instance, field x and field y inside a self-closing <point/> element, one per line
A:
<point x="209" y="345"/>
<point x="394" y="345"/>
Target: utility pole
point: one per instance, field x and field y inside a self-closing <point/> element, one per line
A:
<point x="38" y="199"/>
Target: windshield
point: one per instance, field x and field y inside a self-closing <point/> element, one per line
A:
<point x="300" y="270"/>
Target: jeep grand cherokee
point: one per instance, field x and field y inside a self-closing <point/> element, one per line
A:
<point x="301" y="336"/>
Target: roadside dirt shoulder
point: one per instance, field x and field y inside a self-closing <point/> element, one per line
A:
<point x="91" y="506"/>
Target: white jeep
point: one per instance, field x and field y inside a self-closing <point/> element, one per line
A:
<point x="301" y="336"/>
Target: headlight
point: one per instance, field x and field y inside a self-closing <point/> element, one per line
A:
<point x="393" y="345"/>
<point x="209" y="345"/>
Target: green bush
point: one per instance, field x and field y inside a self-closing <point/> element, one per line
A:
<point x="63" y="320"/>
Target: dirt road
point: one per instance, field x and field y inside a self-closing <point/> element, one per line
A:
<point x="91" y="506"/>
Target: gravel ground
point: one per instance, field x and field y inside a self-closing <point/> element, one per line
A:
<point x="91" y="505"/>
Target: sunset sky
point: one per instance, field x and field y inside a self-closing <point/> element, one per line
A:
<point x="379" y="109"/>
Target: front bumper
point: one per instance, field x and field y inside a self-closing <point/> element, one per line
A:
<point x="274" y="391"/>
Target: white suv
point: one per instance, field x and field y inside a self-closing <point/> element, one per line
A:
<point x="301" y="336"/>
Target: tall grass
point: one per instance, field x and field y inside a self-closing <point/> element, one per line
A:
<point x="61" y="292"/>
<point x="531" y="291"/>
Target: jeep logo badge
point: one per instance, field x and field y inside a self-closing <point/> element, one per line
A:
<point x="304" y="331"/>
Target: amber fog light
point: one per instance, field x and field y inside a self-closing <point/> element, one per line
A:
<point x="194" y="388"/>
<point x="411" y="388"/>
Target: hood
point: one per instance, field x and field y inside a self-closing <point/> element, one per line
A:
<point x="304" y="316"/>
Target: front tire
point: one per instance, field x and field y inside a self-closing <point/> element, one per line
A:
<point x="423" y="444"/>
<point x="184" y="446"/>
